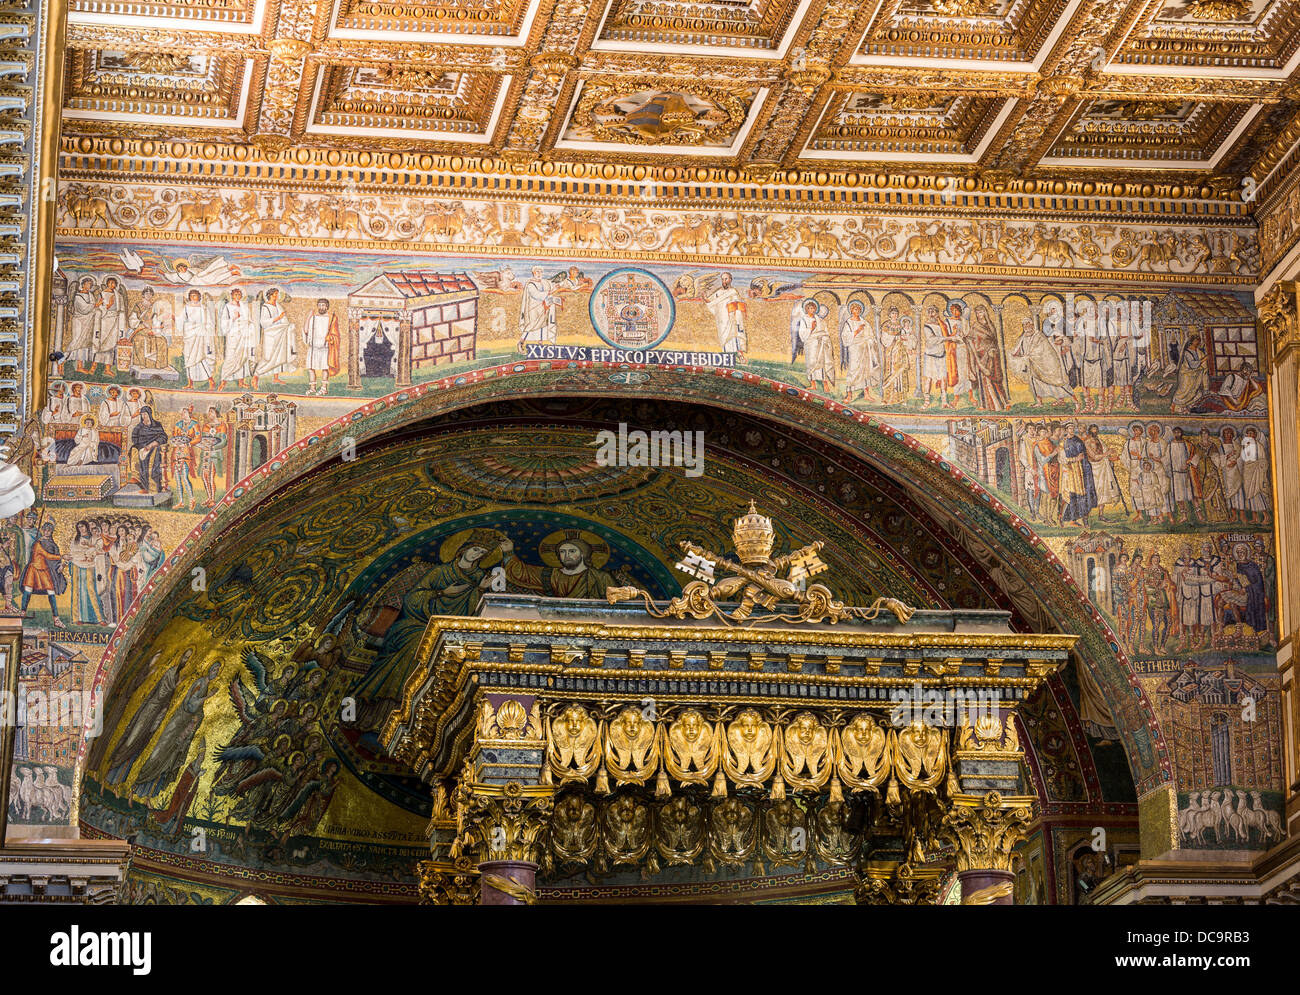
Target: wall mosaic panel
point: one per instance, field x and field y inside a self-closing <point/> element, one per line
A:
<point x="1147" y="448"/>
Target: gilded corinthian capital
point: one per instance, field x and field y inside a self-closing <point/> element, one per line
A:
<point x="448" y="882"/>
<point x="984" y="830"/>
<point x="899" y="885"/>
<point x="502" y="822"/>
<point x="1277" y="316"/>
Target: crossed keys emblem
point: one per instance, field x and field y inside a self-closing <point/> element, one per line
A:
<point x="757" y="585"/>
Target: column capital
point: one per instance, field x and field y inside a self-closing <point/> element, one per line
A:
<point x="903" y="884"/>
<point x="443" y="882"/>
<point x="502" y="822"/>
<point x="985" y="829"/>
<point x="1278" y="321"/>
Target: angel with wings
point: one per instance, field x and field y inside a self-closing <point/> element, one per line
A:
<point x="198" y="340"/>
<point x="259" y="718"/>
<point x="573" y="745"/>
<point x="750" y="752"/>
<point x="631" y="747"/>
<point x="303" y="813"/>
<point x="209" y="273"/>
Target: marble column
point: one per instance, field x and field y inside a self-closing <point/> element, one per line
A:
<point x="508" y="882"/>
<point x="354" y="349"/>
<point x="405" y="343"/>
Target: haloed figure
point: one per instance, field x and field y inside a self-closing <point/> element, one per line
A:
<point x="212" y="444"/>
<point x="322" y="334"/>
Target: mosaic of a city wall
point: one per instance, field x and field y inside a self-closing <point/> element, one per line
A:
<point x="1128" y="430"/>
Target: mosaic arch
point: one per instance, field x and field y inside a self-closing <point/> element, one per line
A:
<point x="990" y="433"/>
<point x="1037" y="578"/>
<point x="881" y="540"/>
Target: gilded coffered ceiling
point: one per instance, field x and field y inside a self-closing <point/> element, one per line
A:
<point x="1187" y="98"/>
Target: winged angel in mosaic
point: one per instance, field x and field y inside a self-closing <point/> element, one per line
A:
<point x="756" y="582"/>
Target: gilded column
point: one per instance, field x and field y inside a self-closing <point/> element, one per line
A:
<point x="984" y="831"/>
<point x="503" y="827"/>
<point x="503" y="805"/>
<point x="404" y="346"/>
<point x="354" y="348"/>
<point x="32" y="43"/>
<point x="1281" y="344"/>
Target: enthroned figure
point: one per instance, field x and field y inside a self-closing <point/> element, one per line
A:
<point x="574" y="578"/>
<point x="149" y="355"/>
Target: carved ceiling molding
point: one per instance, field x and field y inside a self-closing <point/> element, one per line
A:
<point x="1279" y="221"/>
<point x="201" y="156"/>
<point x="375" y="218"/>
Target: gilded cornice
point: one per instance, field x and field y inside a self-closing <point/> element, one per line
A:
<point x="698" y="635"/>
<point x="221" y="163"/>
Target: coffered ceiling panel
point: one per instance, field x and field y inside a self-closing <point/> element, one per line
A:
<point x="1172" y="134"/>
<point x="976" y="31"/>
<point x="686" y="120"/>
<point x="745" y="27"/>
<point x="105" y="90"/>
<point x="985" y="91"/>
<point x="406" y="101"/>
<point x="233" y="16"/>
<point x="1217" y="37"/>
<point x="895" y="126"/>
<point x="501" y="22"/>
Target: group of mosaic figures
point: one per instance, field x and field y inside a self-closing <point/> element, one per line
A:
<point x="1213" y="812"/>
<point x="1197" y="604"/>
<point x="956" y="356"/>
<point x="275" y="771"/>
<point x="36" y="792"/>
<point x="1211" y="478"/>
<point x="221" y="341"/>
<point x="166" y="458"/>
<point x="109" y="560"/>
